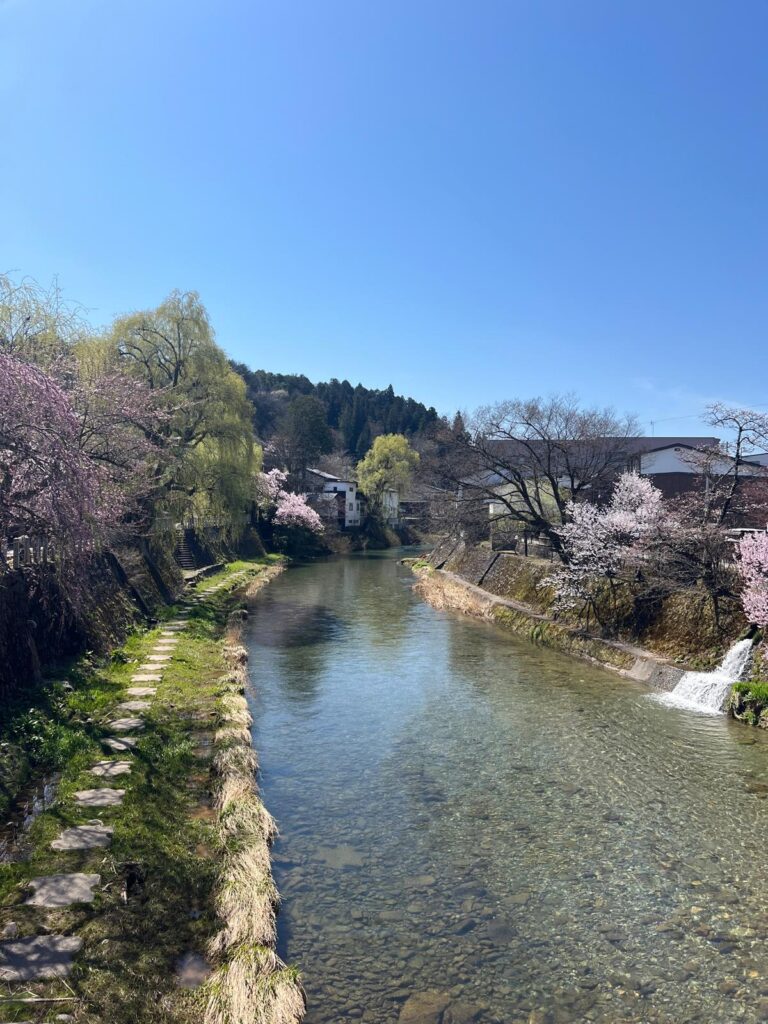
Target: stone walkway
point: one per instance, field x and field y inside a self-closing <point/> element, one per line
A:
<point x="45" y="957"/>
<point x="50" y="956"/>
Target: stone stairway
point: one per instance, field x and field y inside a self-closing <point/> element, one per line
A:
<point x="183" y="555"/>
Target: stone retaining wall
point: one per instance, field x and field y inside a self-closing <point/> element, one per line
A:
<point x="445" y="589"/>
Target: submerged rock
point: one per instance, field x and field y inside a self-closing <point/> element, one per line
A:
<point x="424" y="1008"/>
<point x="462" y="1012"/>
<point x="343" y="856"/>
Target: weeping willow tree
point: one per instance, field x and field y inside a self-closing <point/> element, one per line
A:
<point x="217" y="481"/>
<point x="37" y="325"/>
<point x="207" y="430"/>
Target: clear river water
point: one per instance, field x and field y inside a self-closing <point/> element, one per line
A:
<point x="475" y="827"/>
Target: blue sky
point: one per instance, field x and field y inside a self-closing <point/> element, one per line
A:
<point x="471" y="201"/>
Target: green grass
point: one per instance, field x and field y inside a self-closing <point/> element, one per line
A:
<point x="757" y="691"/>
<point x="161" y="850"/>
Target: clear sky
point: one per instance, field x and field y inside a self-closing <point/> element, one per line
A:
<point x="470" y="200"/>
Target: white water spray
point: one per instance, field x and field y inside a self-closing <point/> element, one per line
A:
<point x="707" y="691"/>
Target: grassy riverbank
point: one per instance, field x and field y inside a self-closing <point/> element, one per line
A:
<point x="159" y="879"/>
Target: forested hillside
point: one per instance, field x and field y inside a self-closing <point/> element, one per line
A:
<point x="357" y="414"/>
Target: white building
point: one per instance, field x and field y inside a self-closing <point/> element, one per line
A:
<point x="342" y="501"/>
<point x="390" y="507"/>
<point x="343" y="494"/>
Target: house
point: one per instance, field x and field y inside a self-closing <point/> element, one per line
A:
<point x="335" y="498"/>
<point x="344" y="503"/>
<point x="390" y="507"/>
<point x="675" y="465"/>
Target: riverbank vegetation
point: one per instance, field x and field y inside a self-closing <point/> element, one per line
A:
<point x="622" y="560"/>
<point x="174" y="851"/>
<point x="122" y="444"/>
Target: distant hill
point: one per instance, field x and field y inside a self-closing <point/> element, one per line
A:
<point x="356" y="414"/>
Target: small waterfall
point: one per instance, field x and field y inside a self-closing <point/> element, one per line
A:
<point x="707" y="691"/>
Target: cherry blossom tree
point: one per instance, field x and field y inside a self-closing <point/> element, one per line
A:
<point x="120" y="428"/>
<point x="48" y="484"/>
<point x="753" y="569"/>
<point x="293" y="510"/>
<point x="530" y="458"/>
<point x="608" y="548"/>
<point x="281" y="507"/>
<point x="269" y="486"/>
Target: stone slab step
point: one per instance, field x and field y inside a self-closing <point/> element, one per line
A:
<point x="158" y="658"/>
<point x="147" y="677"/>
<point x="99" y="797"/>
<point x="83" y="837"/>
<point x="126" y="724"/>
<point x="38" y="958"/>
<point x="134" y="705"/>
<point x="141" y="691"/>
<point x="111" y="769"/>
<point x="62" y="890"/>
<point x="151" y="669"/>
<point x="121" y="744"/>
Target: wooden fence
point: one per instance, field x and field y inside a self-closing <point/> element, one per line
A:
<point x="21" y="551"/>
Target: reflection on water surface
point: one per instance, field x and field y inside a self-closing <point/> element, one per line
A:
<point x="492" y="831"/>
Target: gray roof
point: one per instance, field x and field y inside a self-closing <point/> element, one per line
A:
<point x="637" y="445"/>
<point x="329" y="477"/>
<point x="618" y="447"/>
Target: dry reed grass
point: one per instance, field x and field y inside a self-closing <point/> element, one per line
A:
<point x="236" y="654"/>
<point x="230" y="734"/>
<point x="232" y="682"/>
<point x="233" y="710"/>
<point x="250" y="985"/>
<point x="255" y="987"/>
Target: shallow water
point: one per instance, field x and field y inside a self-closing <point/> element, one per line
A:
<point x="464" y="812"/>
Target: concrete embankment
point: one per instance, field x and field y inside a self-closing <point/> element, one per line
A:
<point x="447" y="590"/>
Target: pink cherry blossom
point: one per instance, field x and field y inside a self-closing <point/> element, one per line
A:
<point x="753" y="568"/>
<point x="605" y="543"/>
<point x="293" y="510"/>
<point x="48" y="484"/>
<point x="269" y="487"/>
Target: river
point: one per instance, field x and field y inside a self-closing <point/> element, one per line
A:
<point x="478" y="829"/>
